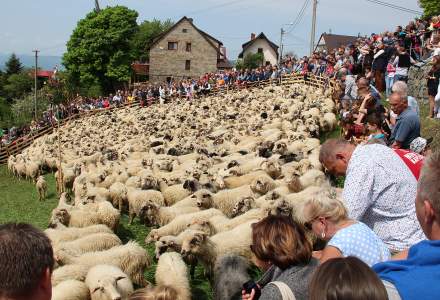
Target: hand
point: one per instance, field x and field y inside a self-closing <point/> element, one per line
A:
<point x="245" y="296"/>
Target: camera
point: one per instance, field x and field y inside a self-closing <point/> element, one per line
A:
<point x="251" y="285"/>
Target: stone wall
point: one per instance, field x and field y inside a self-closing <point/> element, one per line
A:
<point x="171" y="63"/>
<point x="417" y="83"/>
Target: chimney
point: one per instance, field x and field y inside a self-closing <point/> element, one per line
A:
<point x="252" y="36"/>
<point x="190" y="19"/>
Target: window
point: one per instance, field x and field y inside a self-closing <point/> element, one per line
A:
<point x="184" y="30"/>
<point x="172" y="45"/>
<point x="260" y="50"/>
<point x="188" y="47"/>
<point x="188" y="65"/>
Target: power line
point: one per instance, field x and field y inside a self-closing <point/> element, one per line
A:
<point x="194" y="12"/>
<point x="394" y="6"/>
<point x="299" y="16"/>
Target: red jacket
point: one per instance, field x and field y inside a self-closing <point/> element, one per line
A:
<point x="414" y="161"/>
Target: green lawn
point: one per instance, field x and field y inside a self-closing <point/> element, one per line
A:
<point x="19" y="203"/>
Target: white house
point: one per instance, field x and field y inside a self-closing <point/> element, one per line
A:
<point x="261" y="44"/>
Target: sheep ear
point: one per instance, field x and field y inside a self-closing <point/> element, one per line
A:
<point x="120" y="277"/>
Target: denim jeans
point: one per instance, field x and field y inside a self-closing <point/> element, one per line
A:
<point x="400" y="78"/>
<point x="389" y="81"/>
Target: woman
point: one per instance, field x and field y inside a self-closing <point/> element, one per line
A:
<point x="433" y="83"/>
<point x="389" y="79"/>
<point x="346" y="279"/>
<point x="327" y="217"/>
<point x="282" y="250"/>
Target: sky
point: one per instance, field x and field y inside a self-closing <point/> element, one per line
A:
<point x="47" y="24"/>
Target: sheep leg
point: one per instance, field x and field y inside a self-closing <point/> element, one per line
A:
<point x="120" y="205"/>
<point x="131" y="217"/>
<point x="193" y="270"/>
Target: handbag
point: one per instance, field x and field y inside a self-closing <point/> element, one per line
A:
<point x="286" y="292"/>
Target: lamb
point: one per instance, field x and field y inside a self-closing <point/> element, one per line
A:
<point x="106" y="282"/>
<point x="153" y="214"/>
<point x="68" y="234"/>
<point x="174" y="193"/>
<point x="172" y="271"/>
<point x="131" y="258"/>
<point x="32" y="170"/>
<point x="70" y="290"/>
<point x="180" y="223"/>
<point x="89" y="214"/>
<point x="230" y="273"/>
<point x="69" y="272"/>
<point x="89" y="243"/>
<point x="138" y="200"/>
<point x="209" y="249"/>
<point x="41" y="186"/>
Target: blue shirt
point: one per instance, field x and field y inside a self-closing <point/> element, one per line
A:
<point x="360" y="241"/>
<point x="407" y="128"/>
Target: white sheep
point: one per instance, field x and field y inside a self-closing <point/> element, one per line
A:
<point x="172" y="271"/>
<point x="64" y="234"/>
<point x="106" y="282"/>
<point x="310" y="178"/>
<point x="89" y="243"/>
<point x="153" y="214"/>
<point x="70" y="290"/>
<point x="131" y="258"/>
<point x="118" y="194"/>
<point x="139" y="199"/>
<point x="69" y="272"/>
<point x="41" y="186"/>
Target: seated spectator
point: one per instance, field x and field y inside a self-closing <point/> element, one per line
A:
<point x="282" y="250"/>
<point x="379" y="190"/>
<point x="327" y="217"/>
<point x="402" y="88"/>
<point x="416" y="277"/>
<point x="407" y="126"/>
<point x="346" y="278"/>
<point x="26" y="263"/>
<point x="154" y="293"/>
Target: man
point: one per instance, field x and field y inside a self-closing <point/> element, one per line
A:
<point x="407" y="126"/>
<point x="402" y="88"/>
<point x="379" y="190"/>
<point x="417" y="276"/>
<point x="26" y="263"/>
<point x="379" y="66"/>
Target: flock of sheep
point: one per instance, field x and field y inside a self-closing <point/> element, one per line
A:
<point x="199" y="173"/>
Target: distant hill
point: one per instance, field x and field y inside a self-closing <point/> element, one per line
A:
<point x="44" y="62"/>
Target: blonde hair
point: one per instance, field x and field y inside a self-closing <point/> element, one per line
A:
<point x="155" y="293"/>
<point x="325" y="204"/>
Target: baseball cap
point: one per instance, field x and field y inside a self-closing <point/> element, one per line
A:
<point x="419" y="144"/>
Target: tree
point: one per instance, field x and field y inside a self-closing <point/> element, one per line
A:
<point x="18" y="85"/>
<point x="430" y="7"/>
<point x="13" y="65"/>
<point x="252" y="61"/>
<point x="147" y="32"/>
<point x="98" y="52"/>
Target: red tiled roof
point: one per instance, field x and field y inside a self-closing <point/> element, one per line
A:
<point x="44" y="73"/>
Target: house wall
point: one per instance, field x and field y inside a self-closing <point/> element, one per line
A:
<point x="269" y="54"/>
<point x="171" y="63"/>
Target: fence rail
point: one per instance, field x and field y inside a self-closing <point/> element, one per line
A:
<point x="22" y="143"/>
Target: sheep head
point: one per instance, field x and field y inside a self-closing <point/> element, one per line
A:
<point x="272" y="168"/>
<point x="243" y="205"/>
<point x="202" y="225"/>
<point x="262" y="184"/>
<point x="152" y="236"/>
<point x="148" y="214"/>
<point x="59" y="216"/>
<point x="192" y="242"/>
<point x="204" y="199"/>
<point x="106" y="287"/>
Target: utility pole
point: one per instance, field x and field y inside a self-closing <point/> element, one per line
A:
<point x="97" y="8"/>
<point x="35" y="81"/>
<point x="312" y="34"/>
<point x="281" y="47"/>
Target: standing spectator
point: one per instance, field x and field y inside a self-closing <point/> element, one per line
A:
<point x="407" y="126"/>
<point x="389" y="78"/>
<point x="433" y="84"/>
<point x="327" y="217"/>
<point x="422" y="260"/>
<point x="346" y="279"/>
<point x="379" y="190"/>
<point x="402" y="62"/>
<point x="26" y="263"/>
<point x="379" y="68"/>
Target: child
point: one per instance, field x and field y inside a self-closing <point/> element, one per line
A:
<point x="375" y="128"/>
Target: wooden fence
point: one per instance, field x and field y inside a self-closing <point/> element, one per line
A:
<point x="22" y="143"/>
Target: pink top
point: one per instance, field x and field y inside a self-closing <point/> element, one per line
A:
<point x="391" y="69"/>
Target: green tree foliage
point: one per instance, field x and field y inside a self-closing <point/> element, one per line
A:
<point x="23" y="109"/>
<point x="98" y="52"/>
<point x="6" y="118"/>
<point x="430" y="7"/>
<point x="147" y="32"/>
<point x="17" y="85"/>
<point x="250" y="61"/>
<point x="13" y="65"/>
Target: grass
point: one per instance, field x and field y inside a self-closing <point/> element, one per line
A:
<point x="430" y="127"/>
